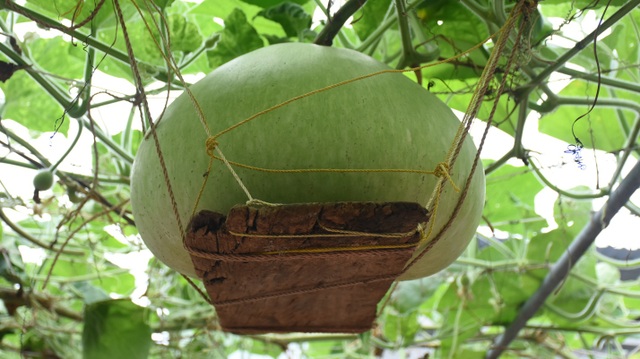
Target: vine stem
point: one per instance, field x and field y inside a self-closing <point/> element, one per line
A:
<point x="580" y="45"/>
<point x="411" y="57"/>
<point x="604" y="80"/>
<point x="563" y="266"/>
<point x="601" y="193"/>
<point x="90" y="41"/>
<point x="63" y="100"/>
<point x="35" y="241"/>
<point x="325" y="37"/>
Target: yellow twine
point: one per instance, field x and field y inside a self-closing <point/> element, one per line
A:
<point x="441" y="170"/>
<point x="338" y="233"/>
<point x="343" y="249"/>
<point x="210" y="144"/>
<point x="211" y="141"/>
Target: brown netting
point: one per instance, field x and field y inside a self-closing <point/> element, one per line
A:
<point x="320" y="267"/>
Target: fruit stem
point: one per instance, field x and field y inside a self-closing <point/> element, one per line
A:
<point x="71" y="146"/>
<point x="411" y="57"/>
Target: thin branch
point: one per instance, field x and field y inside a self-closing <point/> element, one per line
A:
<point x="536" y="170"/>
<point x="561" y="268"/>
<point x="35" y="241"/>
<point x="20" y="297"/>
<point x="63" y="100"/>
<point x="499" y="162"/>
<point x="580" y="45"/>
<point x="604" y="80"/>
<point x="518" y="148"/>
<point x="85" y="38"/>
<point x="336" y="22"/>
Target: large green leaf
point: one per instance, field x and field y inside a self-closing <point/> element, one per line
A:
<point x="223" y="9"/>
<point x="572" y="214"/>
<point x="80" y="10"/>
<point x="588" y="4"/>
<point x="451" y="25"/>
<point x="185" y="35"/>
<point x="292" y="17"/>
<point x="115" y="329"/>
<point x="270" y="3"/>
<point x="510" y="200"/>
<point x="27" y="103"/>
<point x="599" y="129"/>
<point x="163" y="3"/>
<point x="58" y="56"/>
<point x="238" y="38"/>
<point x="409" y="295"/>
<point x="401" y="328"/>
<point x="369" y="17"/>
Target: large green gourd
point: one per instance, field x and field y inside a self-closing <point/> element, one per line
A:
<point x="383" y="122"/>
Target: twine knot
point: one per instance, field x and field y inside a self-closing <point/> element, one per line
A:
<point x="442" y="170"/>
<point x="211" y="143"/>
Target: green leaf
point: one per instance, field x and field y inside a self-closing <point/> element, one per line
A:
<point x="510" y="200"/>
<point x="146" y="42"/>
<point x="624" y="40"/>
<point x="409" y="295"/>
<point x="58" y="56"/>
<point x="572" y="214"/>
<point x="607" y="274"/>
<point x="11" y="266"/>
<point x="237" y="38"/>
<point x="581" y="4"/>
<point x="90" y="294"/>
<point x="401" y="328"/>
<point x="292" y="17"/>
<point x="512" y="289"/>
<point x="122" y="284"/>
<point x="224" y="9"/>
<point x="265" y="348"/>
<point x="465" y="308"/>
<point x="369" y="17"/>
<point x="163" y="3"/>
<point x="185" y="35"/>
<point x="28" y="104"/>
<point x="452" y="26"/>
<point x="601" y="124"/>
<point x="322" y="348"/>
<point x="115" y="329"/>
<point x="80" y="10"/>
<point x="270" y="3"/>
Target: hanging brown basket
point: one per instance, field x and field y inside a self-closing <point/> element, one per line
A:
<point x="320" y="267"/>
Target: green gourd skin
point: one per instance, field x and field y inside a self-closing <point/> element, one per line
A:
<point x="74" y="196"/>
<point x="383" y="122"/>
<point x="43" y="180"/>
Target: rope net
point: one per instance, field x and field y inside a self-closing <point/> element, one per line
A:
<point x="424" y="231"/>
